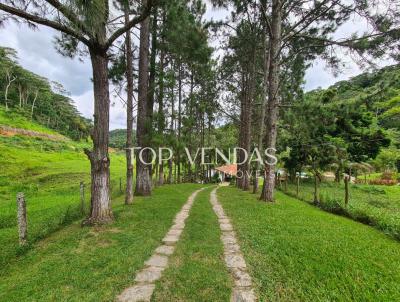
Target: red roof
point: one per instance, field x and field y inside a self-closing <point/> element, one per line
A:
<point x="228" y="169"/>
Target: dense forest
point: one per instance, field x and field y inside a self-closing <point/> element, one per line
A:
<point x="38" y="98"/>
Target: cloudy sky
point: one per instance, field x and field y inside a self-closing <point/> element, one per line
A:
<point x="36" y="53"/>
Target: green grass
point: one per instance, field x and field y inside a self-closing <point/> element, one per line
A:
<point x="374" y="205"/>
<point x="197" y="270"/>
<point x="297" y="252"/>
<point x="17" y="120"/>
<point x="50" y="181"/>
<point x="95" y="264"/>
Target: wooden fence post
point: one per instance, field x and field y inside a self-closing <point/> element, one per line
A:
<point x="120" y="185"/>
<point x="346" y="189"/>
<point x="297" y="185"/>
<point x="82" y="190"/>
<point x="21" y="216"/>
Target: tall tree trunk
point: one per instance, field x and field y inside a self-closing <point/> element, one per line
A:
<point x="10" y="79"/>
<point x="100" y="207"/>
<point x="240" y="167"/>
<point x="33" y="103"/>
<point x="161" y="117"/>
<point x="178" y="161"/>
<point x="263" y="111"/>
<point x="143" y="181"/>
<point x="273" y="98"/>
<point x="129" y="113"/>
<point x="152" y="85"/>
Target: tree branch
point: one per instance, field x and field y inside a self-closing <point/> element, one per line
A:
<point x="42" y="21"/>
<point x="131" y="23"/>
<point x="70" y="15"/>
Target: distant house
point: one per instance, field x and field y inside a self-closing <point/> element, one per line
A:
<point x="227" y="172"/>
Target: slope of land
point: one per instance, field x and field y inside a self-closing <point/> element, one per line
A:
<point x="49" y="173"/>
<point x="297" y="252"/>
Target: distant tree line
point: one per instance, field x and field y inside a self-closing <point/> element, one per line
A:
<point x="38" y="99"/>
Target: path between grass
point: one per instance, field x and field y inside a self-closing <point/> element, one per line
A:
<point x="94" y="264"/>
<point x="197" y="271"/>
<point x="243" y="290"/>
<point x="144" y="286"/>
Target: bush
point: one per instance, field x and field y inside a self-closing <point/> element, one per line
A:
<point x="387" y="175"/>
<point x="383" y="182"/>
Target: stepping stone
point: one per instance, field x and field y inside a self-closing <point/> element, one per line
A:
<point x="170" y="239"/>
<point x="157" y="260"/>
<point x="241" y="278"/>
<point x="226" y="227"/>
<point x="174" y="232"/>
<point x="137" y="293"/>
<point x="224" y="220"/>
<point x="231" y="248"/>
<point x="149" y="275"/>
<point x="178" y="226"/>
<point x="155" y="265"/>
<point x="243" y="295"/>
<point x="235" y="261"/>
<point x="180" y="219"/>
<point x="228" y="238"/>
<point x="165" y="250"/>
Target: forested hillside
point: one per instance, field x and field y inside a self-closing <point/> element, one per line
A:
<point x="118" y="138"/>
<point x="354" y="123"/>
<point x="378" y="91"/>
<point x="39" y="99"/>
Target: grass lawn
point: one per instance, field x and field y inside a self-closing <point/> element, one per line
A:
<point x="94" y="264"/>
<point x="297" y="252"/>
<point x="197" y="270"/>
<point x="371" y="204"/>
<point x="50" y="181"/>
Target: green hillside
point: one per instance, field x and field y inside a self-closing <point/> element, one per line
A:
<point x="48" y="172"/>
<point x="118" y="138"/>
<point x="352" y="123"/>
<point x="378" y="91"/>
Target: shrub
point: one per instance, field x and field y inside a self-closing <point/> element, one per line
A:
<point x="387" y="175"/>
<point x="383" y="182"/>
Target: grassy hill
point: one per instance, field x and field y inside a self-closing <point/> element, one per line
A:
<point x="48" y="172"/>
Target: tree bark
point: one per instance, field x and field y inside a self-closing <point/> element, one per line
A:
<point x="129" y="113"/>
<point x="240" y="167"/>
<point x="33" y="103"/>
<point x="178" y="160"/>
<point x="161" y="117"/>
<point x="273" y="98"/>
<point x="143" y="181"/>
<point x="100" y="206"/>
<point x="10" y="79"/>
<point x="263" y="111"/>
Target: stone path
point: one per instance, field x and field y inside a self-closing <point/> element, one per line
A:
<point x="243" y="290"/>
<point x="144" y="285"/>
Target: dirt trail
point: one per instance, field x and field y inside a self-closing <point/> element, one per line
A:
<point x="10" y="131"/>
